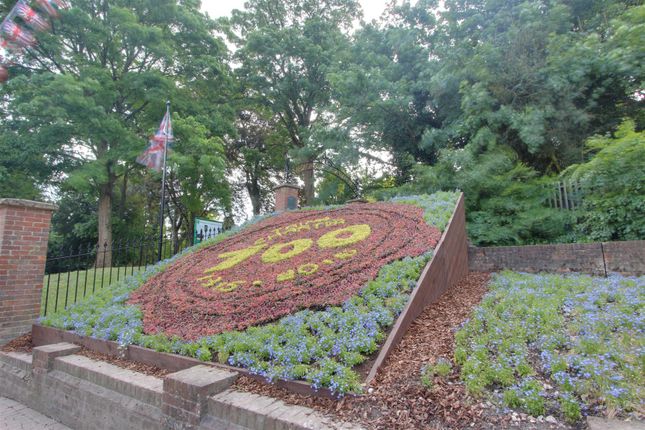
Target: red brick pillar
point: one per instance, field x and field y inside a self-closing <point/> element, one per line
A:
<point x="286" y="197"/>
<point x="24" y="229"/>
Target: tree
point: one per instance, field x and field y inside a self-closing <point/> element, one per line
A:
<point x="538" y="77"/>
<point x="197" y="183"/>
<point x="286" y="50"/>
<point x="258" y="152"/>
<point x="614" y="184"/>
<point x="97" y="85"/>
<point x="382" y="92"/>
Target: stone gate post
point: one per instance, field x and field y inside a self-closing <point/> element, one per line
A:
<point x="286" y="197"/>
<point x="24" y="229"/>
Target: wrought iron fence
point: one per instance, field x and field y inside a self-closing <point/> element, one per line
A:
<point x="565" y="195"/>
<point x="74" y="273"/>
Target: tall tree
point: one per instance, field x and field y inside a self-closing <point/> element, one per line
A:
<point x="197" y="182"/>
<point x="286" y="49"/>
<point x="382" y="89"/>
<point x="538" y="77"/>
<point x="97" y="84"/>
<point x="258" y="151"/>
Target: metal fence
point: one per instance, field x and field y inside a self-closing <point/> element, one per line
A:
<point x="75" y="273"/>
<point x="565" y="195"/>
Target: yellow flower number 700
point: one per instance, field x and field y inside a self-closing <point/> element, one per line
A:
<point x="235" y="257"/>
<point x="282" y="251"/>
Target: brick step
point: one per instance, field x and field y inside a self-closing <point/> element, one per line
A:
<point x="257" y="412"/>
<point x="21" y="360"/>
<point x="81" y="404"/>
<point x="145" y="388"/>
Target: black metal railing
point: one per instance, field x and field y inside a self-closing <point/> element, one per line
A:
<point x="74" y="273"/>
<point x="565" y="194"/>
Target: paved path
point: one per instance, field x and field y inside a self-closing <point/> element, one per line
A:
<point x="16" y="416"/>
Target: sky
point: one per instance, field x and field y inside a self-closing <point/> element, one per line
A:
<point x="372" y="9"/>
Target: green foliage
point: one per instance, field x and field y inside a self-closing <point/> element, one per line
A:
<point x="286" y="50"/>
<point x="494" y="98"/>
<point x="568" y="343"/>
<point x="506" y="201"/>
<point x="94" y="89"/>
<point x="440" y="368"/>
<point x="258" y="151"/>
<point x="333" y="191"/>
<point x="614" y="183"/>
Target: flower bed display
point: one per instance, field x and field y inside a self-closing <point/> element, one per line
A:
<point x="350" y="269"/>
<point x="557" y="344"/>
<point x="293" y="261"/>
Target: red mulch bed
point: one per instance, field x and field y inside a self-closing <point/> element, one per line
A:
<point x="125" y="364"/>
<point x="25" y="344"/>
<point x="397" y="399"/>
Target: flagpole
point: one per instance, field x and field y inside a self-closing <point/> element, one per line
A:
<point x="163" y="181"/>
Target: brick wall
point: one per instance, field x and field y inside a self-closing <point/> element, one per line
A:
<point x="24" y="229"/>
<point x="84" y="393"/>
<point x="627" y="258"/>
<point x="282" y="194"/>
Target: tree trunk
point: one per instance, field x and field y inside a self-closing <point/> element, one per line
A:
<point x="190" y="228"/>
<point x="104" y="253"/>
<point x="124" y="192"/>
<point x="175" y="236"/>
<point x="254" y="193"/>
<point x="308" y="179"/>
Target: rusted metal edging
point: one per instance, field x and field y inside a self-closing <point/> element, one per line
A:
<point x="448" y="265"/>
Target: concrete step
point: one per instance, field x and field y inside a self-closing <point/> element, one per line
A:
<point x="257" y="412"/>
<point x="145" y="388"/>
<point x="598" y="423"/>
<point x="21" y="360"/>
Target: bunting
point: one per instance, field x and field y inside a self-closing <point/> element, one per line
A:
<point x="14" y="38"/>
<point x="53" y="7"/>
<point x="31" y="17"/>
<point x="18" y="35"/>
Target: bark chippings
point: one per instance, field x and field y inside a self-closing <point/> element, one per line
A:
<point x="397" y="399"/>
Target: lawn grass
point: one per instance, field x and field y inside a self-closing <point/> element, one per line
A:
<point x="67" y="288"/>
<point x="567" y="345"/>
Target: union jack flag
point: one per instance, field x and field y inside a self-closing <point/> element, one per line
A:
<point x="52" y="7"/>
<point x="31" y="17"/>
<point x="17" y="34"/>
<point x="152" y="157"/>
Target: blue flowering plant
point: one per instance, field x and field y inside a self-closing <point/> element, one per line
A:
<point x="568" y="344"/>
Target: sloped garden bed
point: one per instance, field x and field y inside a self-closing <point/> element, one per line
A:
<point x="307" y="295"/>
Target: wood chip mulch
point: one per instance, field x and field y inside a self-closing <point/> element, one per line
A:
<point x="397" y="399"/>
<point x="20" y="344"/>
<point x="125" y="364"/>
